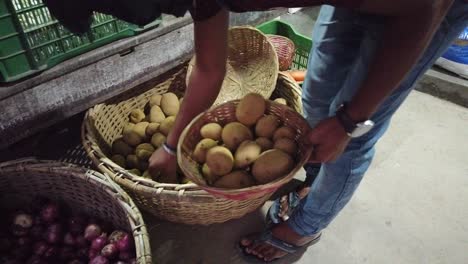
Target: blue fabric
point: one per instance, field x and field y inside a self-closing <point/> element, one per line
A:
<point x="458" y="51"/>
<point x="344" y="44"/>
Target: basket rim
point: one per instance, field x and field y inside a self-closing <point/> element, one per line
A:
<point x="145" y="187"/>
<point x="240" y="194"/>
<point x="132" y="213"/>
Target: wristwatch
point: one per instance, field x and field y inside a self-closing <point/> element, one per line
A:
<point x="353" y="129"/>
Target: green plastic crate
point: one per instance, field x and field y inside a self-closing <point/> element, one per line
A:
<point x="32" y="41"/>
<point x="303" y="44"/>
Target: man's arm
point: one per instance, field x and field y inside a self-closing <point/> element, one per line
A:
<point x="208" y="72"/>
<point x="204" y="85"/>
<point x="410" y="26"/>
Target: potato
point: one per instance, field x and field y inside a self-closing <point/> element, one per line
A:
<point x="281" y="101"/>
<point x="186" y="180"/>
<point x="167" y="125"/>
<point x="128" y="128"/>
<point x="264" y="143"/>
<point x="158" y="139"/>
<point x="208" y="175"/>
<point x="233" y="134"/>
<point x="151" y="129"/>
<point x="235" y="180"/>
<point x="119" y="160"/>
<point x="246" y="154"/>
<point x="132" y="161"/>
<point x="211" y="130"/>
<point x="144" y="151"/>
<point x="155" y="100"/>
<point x="266" y="126"/>
<point x="284" y="132"/>
<point x="250" y="109"/>
<point x="140" y="129"/>
<point x="136" y="116"/>
<point x="121" y="147"/>
<point x="271" y="165"/>
<point x="219" y="160"/>
<point x="287" y="145"/>
<point x="132" y="139"/>
<point x="170" y="104"/>
<point x="156" y="115"/>
<point x="199" y="154"/>
<point x="135" y="171"/>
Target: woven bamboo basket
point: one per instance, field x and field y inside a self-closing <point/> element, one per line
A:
<point x="224" y="114"/>
<point x="182" y="203"/>
<point x="252" y="65"/>
<point x="85" y="190"/>
<point x="285" y="49"/>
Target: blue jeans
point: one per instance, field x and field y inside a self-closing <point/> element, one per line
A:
<point x="344" y="45"/>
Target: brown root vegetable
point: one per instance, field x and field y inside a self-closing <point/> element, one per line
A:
<point x="250" y="109"/>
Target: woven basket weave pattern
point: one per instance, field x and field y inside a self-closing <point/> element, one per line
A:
<point x="224" y="114"/>
<point x="252" y="65"/>
<point x="87" y="191"/>
<point x="183" y="203"/>
<point x="285" y="49"/>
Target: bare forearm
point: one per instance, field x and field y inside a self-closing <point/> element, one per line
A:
<point x="195" y="102"/>
<point x="405" y="39"/>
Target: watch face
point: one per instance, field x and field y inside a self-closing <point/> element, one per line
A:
<point x="362" y="128"/>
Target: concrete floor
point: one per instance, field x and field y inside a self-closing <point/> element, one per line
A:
<point x="410" y="208"/>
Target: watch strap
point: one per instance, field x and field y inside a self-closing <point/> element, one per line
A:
<point x="345" y="120"/>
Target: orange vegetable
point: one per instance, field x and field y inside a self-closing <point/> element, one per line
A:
<point x="299" y="76"/>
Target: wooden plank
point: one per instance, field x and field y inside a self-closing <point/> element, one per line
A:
<point x="51" y="101"/>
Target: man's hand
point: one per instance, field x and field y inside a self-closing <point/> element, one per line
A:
<point x="163" y="166"/>
<point x="329" y="140"/>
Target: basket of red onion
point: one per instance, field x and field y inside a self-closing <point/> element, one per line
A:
<point x="60" y="213"/>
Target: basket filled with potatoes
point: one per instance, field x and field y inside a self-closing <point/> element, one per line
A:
<point x="244" y="149"/>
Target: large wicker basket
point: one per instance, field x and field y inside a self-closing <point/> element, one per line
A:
<point x="252" y="65"/>
<point x="182" y="203"/>
<point x="224" y="114"/>
<point x="85" y="190"/>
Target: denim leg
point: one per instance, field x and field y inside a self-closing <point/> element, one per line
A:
<point x="338" y="180"/>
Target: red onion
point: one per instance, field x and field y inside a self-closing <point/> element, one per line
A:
<point x="23" y="220"/>
<point x="36" y="231"/>
<point x="35" y="260"/>
<point x="82" y="254"/>
<point x="66" y="253"/>
<point x="99" y="260"/>
<point x="92" y="231"/>
<point x="116" y="236"/>
<point x="99" y="242"/>
<point x="53" y="234"/>
<point x="92" y="253"/>
<point x="80" y="242"/>
<point x="40" y="247"/>
<point x="126" y="255"/>
<point x="120" y="262"/>
<point x="76" y="261"/>
<point x="21" y="253"/>
<point x="24" y="242"/>
<point x="133" y="261"/>
<point x="76" y="225"/>
<point x="125" y="243"/>
<point x="109" y="251"/>
<point x="68" y="239"/>
<point x="19" y="231"/>
<point x="51" y="252"/>
<point x="50" y="213"/>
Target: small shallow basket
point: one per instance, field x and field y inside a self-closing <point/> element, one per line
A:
<point x="181" y="203"/>
<point x="224" y="114"/>
<point x="85" y="190"/>
<point x="252" y="65"/>
<point x="285" y="49"/>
